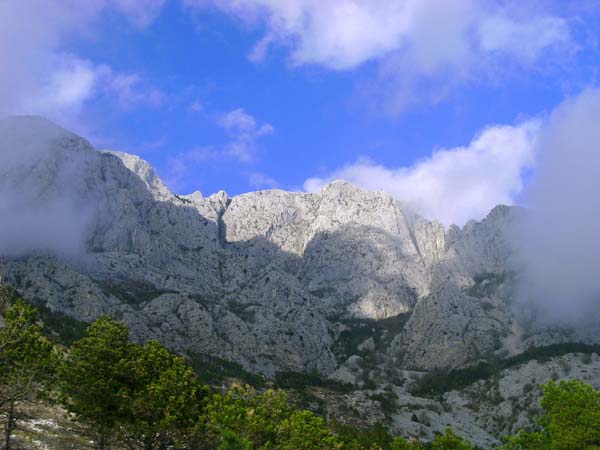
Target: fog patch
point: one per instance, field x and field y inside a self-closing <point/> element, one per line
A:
<point x="41" y="185"/>
<point x="559" y="235"/>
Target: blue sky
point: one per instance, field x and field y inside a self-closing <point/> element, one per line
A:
<point x="438" y="102"/>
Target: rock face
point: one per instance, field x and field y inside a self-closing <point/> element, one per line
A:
<point x="488" y="410"/>
<point x="273" y="280"/>
<point x="353" y="249"/>
<point x="142" y="169"/>
<point x="467" y="314"/>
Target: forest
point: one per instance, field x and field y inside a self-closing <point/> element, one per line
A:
<point x="130" y="396"/>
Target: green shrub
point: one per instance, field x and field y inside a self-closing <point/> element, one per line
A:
<point x="570" y="419"/>
<point x="438" y="382"/>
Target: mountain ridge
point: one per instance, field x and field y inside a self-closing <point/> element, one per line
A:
<point x="344" y="282"/>
<point x="270" y="279"/>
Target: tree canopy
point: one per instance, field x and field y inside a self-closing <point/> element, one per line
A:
<point x="133" y="396"/>
<point x="27" y="363"/>
<point x="570" y="419"/>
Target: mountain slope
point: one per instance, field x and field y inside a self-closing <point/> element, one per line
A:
<point x="273" y="280"/>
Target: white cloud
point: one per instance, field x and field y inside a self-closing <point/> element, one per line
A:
<point x="141" y="12"/>
<point x="237" y="120"/>
<point x="196" y="106"/>
<point x="261" y="181"/>
<point x="442" y="42"/>
<point x="244" y="131"/>
<point x="526" y="40"/>
<point x="39" y="74"/>
<point x="132" y="91"/>
<point x="153" y="144"/>
<point x="342" y="34"/>
<point x="66" y="89"/>
<point x="339" y="34"/>
<point x="559" y="236"/>
<point x="73" y="85"/>
<point x="453" y="185"/>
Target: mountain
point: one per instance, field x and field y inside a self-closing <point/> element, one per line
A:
<point x="346" y="282"/>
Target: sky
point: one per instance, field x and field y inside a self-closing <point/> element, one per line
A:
<point x="441" y="103"/>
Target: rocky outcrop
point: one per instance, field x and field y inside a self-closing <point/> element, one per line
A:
<point x="467" y="314"/>
<point x="142" y="169"/>
<point x="270" y="279"/>
<point x="351" y="248"/>
<point x="488" y="410"/>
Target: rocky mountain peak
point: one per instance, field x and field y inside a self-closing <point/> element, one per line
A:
<point x="27" y="141"/>
<point x="146" y="173"/>
<point x="269" y="279"/>
<point x="31" y="128"/>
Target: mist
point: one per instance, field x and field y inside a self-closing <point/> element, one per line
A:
<point x="41" y="208"/>
<point x="559" y="234"/>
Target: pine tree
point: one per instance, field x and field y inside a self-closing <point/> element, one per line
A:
<point x="27" y="364"/>
<point x="139" y="397"/>
<point x="570" y="421"/>
<point x="94" y="379"/>
<point x="163" y="401"/>
<point x="450" y="441"/>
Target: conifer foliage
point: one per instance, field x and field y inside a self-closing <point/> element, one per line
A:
<point x="140" y="397"/>
<point x="27" y="363"/>
<point x="144" y="397"/>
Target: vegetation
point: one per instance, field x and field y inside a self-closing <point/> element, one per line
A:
<point x="358" y="330"/>
<point x="212" y="370"/>
<point x="374" y="438"/>
<point x="27" y="362"/>
<point x="570" y="421"/>
<point x="132" y="292"/>
<point x="486" y="283"/>
<point x="262" y="421"/>
<point x="163" y="402"/>
<point x="94" y="378"/>
<point x="144" y="397"/>
<point x="62" y="328"/>
<point x="439" y="381"/>
<point x="131" y="396"/>
<point x="450" y="441"/>
<point x="300" y="381"/>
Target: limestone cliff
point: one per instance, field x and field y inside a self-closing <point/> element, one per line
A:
<point x="273" y="280"/>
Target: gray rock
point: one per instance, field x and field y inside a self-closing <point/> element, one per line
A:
<point x="269" y="279"/>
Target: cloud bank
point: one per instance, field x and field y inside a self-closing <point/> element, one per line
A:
<point x="40" y="75"/>
<point x="39" y="208"/>
<point x="342" y="34"/>
<point x="442" y="43"/>
<point x="559" y="235"/>
<point x="453" y="185"/>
